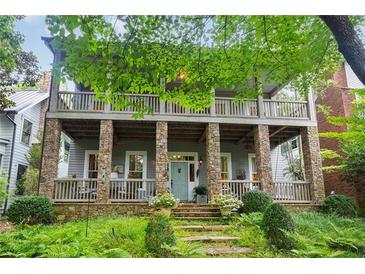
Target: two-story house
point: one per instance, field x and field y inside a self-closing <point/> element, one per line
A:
<point x="117" y="159"/>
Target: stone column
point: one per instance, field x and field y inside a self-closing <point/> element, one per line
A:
<point x="104" y="160"/>
<point x="162" y="159"/>
<point x="312" y="162"/>
<point x="263" y="157"/>
<point x="213" y="160"/>
<point x="50" y="157"/>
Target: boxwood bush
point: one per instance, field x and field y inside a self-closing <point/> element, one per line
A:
<point x="276" y="222"/>
<point x="31" y="210"/>
<point x="159" y="232"/>
<point x="340" y="205"/>
<point x="255" y="201"/>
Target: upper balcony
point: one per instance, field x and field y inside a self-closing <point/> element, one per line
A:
<point x="85" y="105"/>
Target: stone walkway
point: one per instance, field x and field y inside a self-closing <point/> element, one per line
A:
<point x="214" y="240"/>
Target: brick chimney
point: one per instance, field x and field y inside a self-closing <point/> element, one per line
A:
<point x="45" y="82"/>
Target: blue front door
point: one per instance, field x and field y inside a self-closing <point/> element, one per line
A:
<point x="179" y="180"/>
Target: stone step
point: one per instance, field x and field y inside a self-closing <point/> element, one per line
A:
<point x="214" y="251"/>
<point x="198" y="218"/>
<point x="203" y="227"/>
<point x="196" y="214"/>
<point x="207" y="238"/>
<point x="196" y="205"/>
<point x="205" y="209"/>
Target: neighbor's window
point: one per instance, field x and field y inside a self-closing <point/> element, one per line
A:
<point x="27" y="131"/>
<point x="135" y="166"/>
<point x="66" y="153"/>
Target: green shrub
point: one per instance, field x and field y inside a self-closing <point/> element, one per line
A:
<point x="200" y="190"/>
<point x="159" y="233"/>
<point x="19" y="187"/>
<point x="30" y="179"/>
<point x="276" y="222"/>
<point x="3" y="182"/>
<point x="255" y="201"/>
<point x="31" y="210"/>
<point x="340" y="205"/>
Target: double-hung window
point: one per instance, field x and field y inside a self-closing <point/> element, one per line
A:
<point x="26" y="132"/>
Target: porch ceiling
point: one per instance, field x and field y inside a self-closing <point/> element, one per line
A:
<point x="191" y="132"/>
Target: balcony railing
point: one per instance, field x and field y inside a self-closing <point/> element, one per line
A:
<point x="75" y="190"/>
<point x="292" y="191"/>
<point x="222" y="107"/>
<point x="131" y="190"/>
<point x="239" y="187"/>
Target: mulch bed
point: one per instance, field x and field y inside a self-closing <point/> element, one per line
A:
<point x="6" y="226"/>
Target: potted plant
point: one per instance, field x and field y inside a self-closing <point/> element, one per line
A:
<point x="226" y="203"/>
<point x="200" y="194"/>
<point x="164" y="203"/>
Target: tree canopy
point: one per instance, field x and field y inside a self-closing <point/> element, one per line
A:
<point x="17" y="67"/>
<point x="118" y="54"/>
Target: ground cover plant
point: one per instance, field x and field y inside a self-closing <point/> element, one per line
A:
<point x="316" y="235"/>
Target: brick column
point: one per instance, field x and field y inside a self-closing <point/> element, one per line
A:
<point x="313" y="162"/>
<point x="50" y="157"/>
<point x="213" y="160"/>
<point x="162" y="159"/>
<point x="104" y="160"/>
<point x="263" y="157"/>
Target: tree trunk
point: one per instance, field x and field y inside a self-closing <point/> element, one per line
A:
<point x="349" y="43"/>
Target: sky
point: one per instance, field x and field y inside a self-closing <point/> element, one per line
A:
<point x="33" y="28"/>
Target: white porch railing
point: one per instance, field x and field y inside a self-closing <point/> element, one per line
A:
<point x="225" y="106"/>
<point x="238" y="187"/>
<point x="294" y="191"/>
<point x="150" y="103"/>
<point x="285" y="109"/>
<point x="75" y="190"/>
<point x="131" y="190"/>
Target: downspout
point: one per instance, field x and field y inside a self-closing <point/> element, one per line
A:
<point x="10" y="162"/>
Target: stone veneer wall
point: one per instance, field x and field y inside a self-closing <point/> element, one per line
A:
<point x="313" y="162"/>
<point x="263" y="157"/>
<point x="213" y="160"/>
<point x="104" y="160"/>
<point x="301" y="207"/>
<point x="162" y="160"/>
<point x="50" y="157"/>
<point x="77" y="211"/>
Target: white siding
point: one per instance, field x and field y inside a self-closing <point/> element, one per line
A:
<point x="32" y="114"/>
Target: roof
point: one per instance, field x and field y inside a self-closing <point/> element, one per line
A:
<point x="25" y="99"/>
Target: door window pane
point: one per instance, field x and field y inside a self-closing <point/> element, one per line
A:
<point x="254" y="169"/>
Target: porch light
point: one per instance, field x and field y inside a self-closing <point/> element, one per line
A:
<point x="200" y="160"/>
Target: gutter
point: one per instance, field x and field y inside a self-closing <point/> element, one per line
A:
<point x="11" y="161"/>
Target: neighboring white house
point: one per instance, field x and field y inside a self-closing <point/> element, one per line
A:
<point x="19" y="126"/>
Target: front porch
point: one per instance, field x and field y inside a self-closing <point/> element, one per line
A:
<point x="130" y="162"/>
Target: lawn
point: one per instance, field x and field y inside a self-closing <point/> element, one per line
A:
<point x="316" y="235"/>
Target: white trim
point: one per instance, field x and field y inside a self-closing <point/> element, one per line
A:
<point x="250" y="169"/>
<point x="191" y="184"/>
<point x="86" y="161"/>
<point x="229" y="163"/>
<point x="133" y="152"/>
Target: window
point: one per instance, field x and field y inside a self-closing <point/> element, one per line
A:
<point x="285" y="146"/>
<point x="136" y="164"/>
<point x="226" y="166"/>
<point x="26" y="132"/>
<point x="91" y="164"/>
<point x="66" y="152"/>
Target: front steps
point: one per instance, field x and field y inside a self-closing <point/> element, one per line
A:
<point x="196" y="212"/>
<point x="213" y="240"/>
